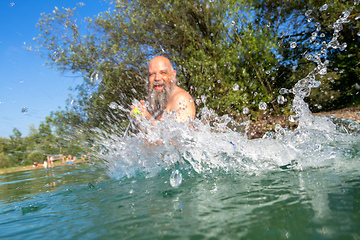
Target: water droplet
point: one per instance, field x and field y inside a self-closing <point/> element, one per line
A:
<point x="343" y="46"/>
<point x="246" y="111"/>
<point x="267" y="72"/>
<point x="323" y="71"/>
<point x="236" y="87"/>
<point x="283" y="91"/>
<point x="113" y="105"/>
<point x="322" y="35"/>
<point x="356" y="2"/>
<point x="357" y="17"/>
<point x="309" y="56"/>
<point x="281" y="99"/>
<point x="346" y="14"/>
<point x="293" y="118"/>
<point x="24" y="110"/>
<point x="175" y="179"/>
<point x="319" y="106"/>
<point x="278" y="128"/>
<point x="96" y="77"/>
<point x="262" y="106"/>
<point x="232" y="23"/>
<point x="357" y="87"/>
<point x="323" y="7"/>
<point x="293" y="45"/>
<point x="12" y="4"/>
<point x="308" y="12"/>
<point x="342" y="71"/>
<point x="358" y="34"/>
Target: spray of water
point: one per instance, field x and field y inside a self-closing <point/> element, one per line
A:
<point x="212" y="143"/>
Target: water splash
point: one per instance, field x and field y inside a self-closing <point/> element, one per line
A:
<point x="212" y="144"/>
<point x="236" y="87"/>
<point x="96" y="77"/>
<point x="175" y="178"/>
<point x="323" y="7"/>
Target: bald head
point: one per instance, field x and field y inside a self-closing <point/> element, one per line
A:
<point x="161" y="60"/>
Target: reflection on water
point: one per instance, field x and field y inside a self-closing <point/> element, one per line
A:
<point x="317" y="203"/>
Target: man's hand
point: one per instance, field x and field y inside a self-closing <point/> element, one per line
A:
<point x="139" y="110"/>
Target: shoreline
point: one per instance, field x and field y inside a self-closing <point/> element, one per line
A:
<point x="267" y="123"/>
<point x="31" y="167"/>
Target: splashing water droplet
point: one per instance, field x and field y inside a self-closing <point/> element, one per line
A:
<point x="308" y="12"/>
<point x="281" y="99"/>
<point x="246" y="111"/>
<point x="293" y="45"/>
<point x="232" y="23"/>
<point x="346" y="14"/>
<point x="343" y="46"/>
<point x="113" y="105"/>
<point x="262" y="106"/>
<point x="12" y="4"/>
<point x="283" y="91"/>
<point x="357" y="17"/>
<point x="236" y="87"/>
<point x="323" y="71"/>
<point x="24" y="110"/>
<point x="175" y="179"/>
<point x="96" y="77"/>
<point x="267" y="72"/>
<point x="356" y="2"/>
<point x="323" y="7"/>
<point x="309" y="56"/>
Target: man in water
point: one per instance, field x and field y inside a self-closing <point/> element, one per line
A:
<point x="164" y="94"/>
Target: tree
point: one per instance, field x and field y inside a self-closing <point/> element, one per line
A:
<point x="219" y="51"/>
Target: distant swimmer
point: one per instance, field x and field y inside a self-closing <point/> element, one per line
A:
<point x="164" y="94"/>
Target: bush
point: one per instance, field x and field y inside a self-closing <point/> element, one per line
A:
<point x="5" y="161"/>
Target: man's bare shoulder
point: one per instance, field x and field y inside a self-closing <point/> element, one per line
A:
<point x="179" y="95"/>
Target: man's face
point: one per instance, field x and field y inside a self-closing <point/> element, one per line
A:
<point x="160" y="75"/>
<point x="161" y="83"/>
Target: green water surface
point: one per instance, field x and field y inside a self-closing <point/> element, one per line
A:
<point x="82" y="202"/>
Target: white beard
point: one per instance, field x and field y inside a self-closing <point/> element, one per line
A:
<point x="158" y="100"/>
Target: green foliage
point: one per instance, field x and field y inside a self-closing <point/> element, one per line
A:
<point x="5" y="161"/>
<point x="22" y="151"/>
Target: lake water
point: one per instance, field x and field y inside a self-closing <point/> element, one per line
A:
<point x="315" y="196"/>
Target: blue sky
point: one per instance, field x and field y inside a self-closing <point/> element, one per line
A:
<point x="24" y="81"/>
